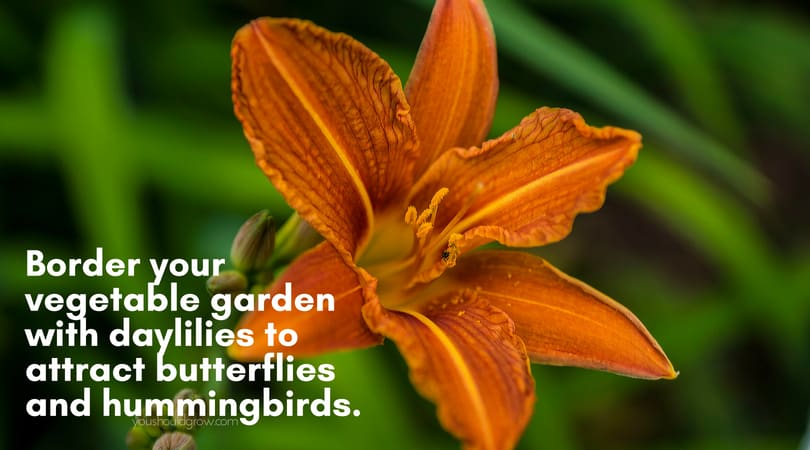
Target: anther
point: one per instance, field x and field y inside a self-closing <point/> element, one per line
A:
<point x="423" y="230"/>
<point x="424" y="217"/>
<point x="450" y="254"/>
<point x="410" y="215"/>
<point x="438" y="197"/>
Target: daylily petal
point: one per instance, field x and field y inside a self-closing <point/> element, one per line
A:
<point x="319" y="270"/>
<point x="464" y="355"/>
<point x="454" y="82"/>
<point x="562" y="320"/>
<point x="524" y="188"/>
<point x="327" y="121"/>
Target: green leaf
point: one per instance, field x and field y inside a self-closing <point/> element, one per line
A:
<point x="88" y="116"/>
<point x="528" y="39"/>
<point x="727" y="234"/>
<point x="767" y="55"/>
<point x="663" y="27"/>
<point x="704" y="215"/>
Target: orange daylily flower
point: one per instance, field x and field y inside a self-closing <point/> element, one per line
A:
<point x="392" y="180"/>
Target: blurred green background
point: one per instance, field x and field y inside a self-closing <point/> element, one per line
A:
<point x="116" y="130"/>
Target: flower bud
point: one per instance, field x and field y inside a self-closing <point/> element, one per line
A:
<point x="152" y="424"/>
<point x="227" y="282"/>
<point x="175" y="441"/>
<point x="185" y="421"/>
<point x="139" y="439"/>
<point x="295" y="237"/>
<point x="254" y="243"/>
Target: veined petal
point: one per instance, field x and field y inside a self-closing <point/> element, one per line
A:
<point x="464" y="355"/>
<point x="562" y="320"/>
<point x="524" y="188"/>
<point x="454" y="82"/>
<point x="319" y="270"/>
<point x="327" y="121"/>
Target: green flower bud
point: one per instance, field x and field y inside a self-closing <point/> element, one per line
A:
<point x="259" y="288"/>
<point x="253" y="245"/>
<point x="227" y="282"/>
<point x="175" y="441"/>
<point x="152" y="424"/>
<point x="184" y="421"/>
<point x="139" y="439"/>
<point x="153" y="431"/>
<point x="295" y="237"/>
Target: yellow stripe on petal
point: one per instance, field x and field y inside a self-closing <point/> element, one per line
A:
<point x="328" y="123"/>
<point x="464" y="355"/>
<point x="320" y="122"/>
<point x="464" y="377"/>
<point x="454" y="82"/>
<point x="525" y="188"/>
<point x="562" y="320"/>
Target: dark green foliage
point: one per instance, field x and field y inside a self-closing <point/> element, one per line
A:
<point x="116" y="130"/>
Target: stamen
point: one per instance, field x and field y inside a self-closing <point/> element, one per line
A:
<point x="430" y="213"/>
<point x="437" y="198"/>
<point x="428" y="243"/>
<point x="423" y="230"/>
<point x="423" y="217"/>
<point x="422" y="225"/>
<point x="449" y="229"/>
<point x="410" y="215"/>
<point x="450" y="255"/>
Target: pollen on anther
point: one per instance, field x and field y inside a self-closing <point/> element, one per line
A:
<point x="424" y="216"/>
<point x="410" y="215"/>
<point x="451" y="253"/>
<point x="438" y="197"/>
<point x="424" y="229"/>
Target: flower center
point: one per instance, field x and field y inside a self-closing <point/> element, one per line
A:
<point x="427" y="240"/>
<point x="401" y="253"/>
